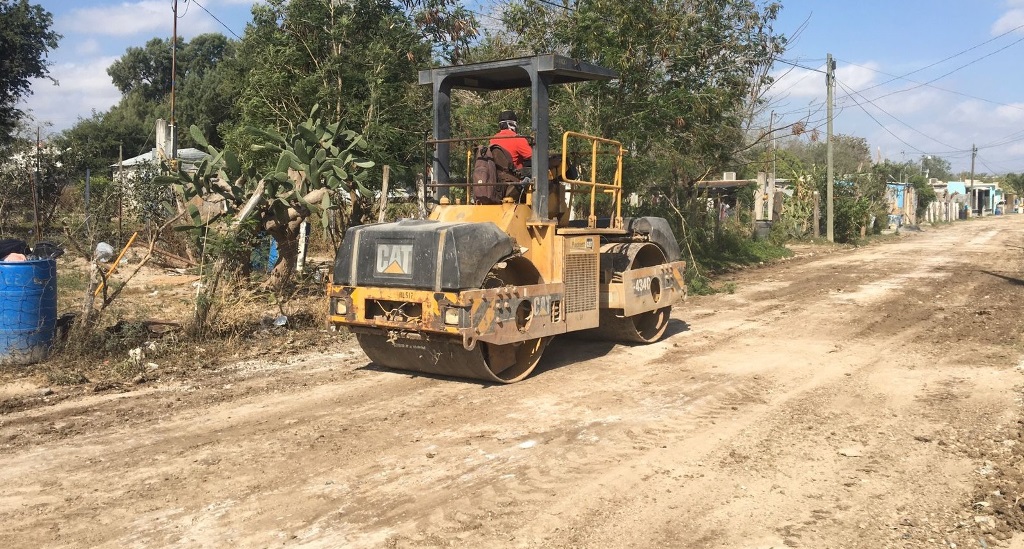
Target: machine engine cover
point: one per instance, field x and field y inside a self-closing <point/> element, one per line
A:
<point x="421" y="254"/>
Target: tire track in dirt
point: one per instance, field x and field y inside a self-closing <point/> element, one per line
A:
<point x="726" y="434"/>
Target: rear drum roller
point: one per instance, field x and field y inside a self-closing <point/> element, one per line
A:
<point x="646" y="327"/>
<point x="640" y="328"/>
<point x="445" y="355"/>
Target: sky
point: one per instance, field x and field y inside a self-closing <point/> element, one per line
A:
<point x="967" y="53"/>
<point x="960" y="63"/>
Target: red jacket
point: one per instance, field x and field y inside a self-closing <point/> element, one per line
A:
<point x="518" y="147"/>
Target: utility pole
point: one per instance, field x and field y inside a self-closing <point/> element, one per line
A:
<point x="120" y="193"/>
<point x="35" y="188"/>
<point x="830" y="76"/>
<point x="174" y="76"/>
<point x="974" y="199"/>
<point x="771" y="130"/>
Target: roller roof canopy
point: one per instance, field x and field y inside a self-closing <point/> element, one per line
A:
<point x="515" y="73"/>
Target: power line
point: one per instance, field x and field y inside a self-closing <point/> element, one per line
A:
<point x="1015" y="42"/>
<point x="872" y="103"/>
<point x="890" y="132"/>
<point x="967" y="95"/>
<point x="186" y="10"/>
<point x="1014" y="137"/>
<point x="216" y="19"/>
<point x="955" y="55"/>
<point x="798" y="65"/>
<point x="550" y="3"/>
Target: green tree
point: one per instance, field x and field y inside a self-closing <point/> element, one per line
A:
<point x="1015" y="181"/>
<point x="46" y="162"/>
<point x="128" y="126"/>
<point x="209" y="83"/>
<point x="146" y="70"/>
<point x="850" y="154"/>
<point x="357" y="60"/>
<point x="25" y="39"/>
<point x="937" y="167"/>
<point x="690" y="72"/>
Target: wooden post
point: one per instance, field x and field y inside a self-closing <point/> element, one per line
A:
<point x="718" y="217"/>
<point x="421" y="197"/>
<point x="382" y="209"/>
<point x="35" y="191"/>
<point x="817" y="214"/>
<point x="759" y="196"/>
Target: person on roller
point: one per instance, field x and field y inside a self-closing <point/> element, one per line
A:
<point x="508" y="138"/>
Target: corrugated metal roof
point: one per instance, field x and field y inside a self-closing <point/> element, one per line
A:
<point x="187" y="155"/>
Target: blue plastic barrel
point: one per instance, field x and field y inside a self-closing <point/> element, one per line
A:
<point x="28" y="310"/>
<point x="272" y="257"/>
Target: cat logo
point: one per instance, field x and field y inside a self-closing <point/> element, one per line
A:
<point x="394" y="259"/>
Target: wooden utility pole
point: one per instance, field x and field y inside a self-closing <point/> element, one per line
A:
<point x="174" y="73"/>
<point x="35" y="188"/>
<point x="120" y="193"/>
<point x="830" y="76"/>
<point x="383" y="207"/>
<point x="974" y="199"/>
<point x="817" y="214"/>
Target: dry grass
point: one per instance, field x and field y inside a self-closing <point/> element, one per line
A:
<point x="141" y="336"/>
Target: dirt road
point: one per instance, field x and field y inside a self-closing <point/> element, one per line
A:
<point x="863" y="398"/>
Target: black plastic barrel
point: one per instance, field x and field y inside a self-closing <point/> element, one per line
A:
<point x="28" y="310"/>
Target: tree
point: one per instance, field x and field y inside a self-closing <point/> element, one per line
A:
<point x="357" y="60"/>
<point x="1015" y="181"/>
<point x="850" y="154"/>
<point x="145" y="70"/>
<point x="937" y="167"/>
<point x="47" y="163"/>
<point x="25" y="39"/>
<point x="128" y="126"/>
<point x="689" y="71"/>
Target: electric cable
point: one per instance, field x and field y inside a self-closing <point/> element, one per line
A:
<point x="216" y="19"/>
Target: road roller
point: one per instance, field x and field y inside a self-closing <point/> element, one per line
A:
<point x="478" y="287"/>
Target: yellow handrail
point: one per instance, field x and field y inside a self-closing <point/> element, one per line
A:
<point x="614" y="188"/>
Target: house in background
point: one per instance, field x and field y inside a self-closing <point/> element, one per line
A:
<point x="984" y="196"/>
<point x="134" y="174"/>
<point x="950" y="201"/>
<point x="902" y="204"/>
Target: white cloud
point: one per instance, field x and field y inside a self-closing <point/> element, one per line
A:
<point x="1011" y="113"/>
<point x="799" y="83"/>
<point x="83" y="88"/>
<point x="124" y="19"/>
<point x="857" y="77"/>
<point x="87" y="48"/>
<point x="1010" y="20"/>
<point x="151" y="17"/>
<point x="919" y="100"/>
<point x="804" y="83"/>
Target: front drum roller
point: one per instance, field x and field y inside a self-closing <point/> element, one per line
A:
<point x="446" y="356"/>
<point x="646" y="327"/>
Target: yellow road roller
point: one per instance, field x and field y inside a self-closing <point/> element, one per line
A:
<point x="507" y="258"/>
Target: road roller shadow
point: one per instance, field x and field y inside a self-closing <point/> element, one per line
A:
<point x="675" y="327"/>
<point x="563" y="350"/>
<point x="374" y="367"/>
<point x="569" y="349"/>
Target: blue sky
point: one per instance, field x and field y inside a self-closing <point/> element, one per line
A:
<point x="981" y="103"/>
<point x="872" y="41"/>
<point x="97" y="32"/>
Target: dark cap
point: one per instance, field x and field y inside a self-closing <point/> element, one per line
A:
<point x="507" y="115"/>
